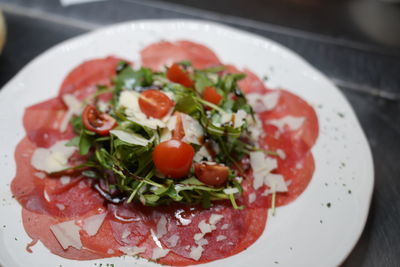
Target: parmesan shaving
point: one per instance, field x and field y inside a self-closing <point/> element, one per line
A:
<point x="161" y="227"/>
<point x="65" y="179"/>
<point x="231" y="190"/>
<point x="202" y="155"/>
<point x="193" y="130"/>
<point x="74" y="108"/>
<point x="220" y="238"/>
<point x="130" y="101"/>
<point x="196" y="252"/>
<point x="67" y="234"/>
<point x="281" y="153"/>
<point x="159" y="253"/>
<point x="265" y="102"/>
<point x="173" y="240"/>
<point x="40" y="175"/>
<point x="92" y="224"/>
<point x="293" y="123"/>
<point x="240" y="117"/>
<point x="131" y="138"/>
<point x="52" y="159"/>
<point x="132" y="251"/>
<point x="252" y="197"/>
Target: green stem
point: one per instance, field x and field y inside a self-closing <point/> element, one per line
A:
<point x="211" y="105"/>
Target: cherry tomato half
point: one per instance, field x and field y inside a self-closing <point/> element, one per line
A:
<point x="177" y="75"/>
<point x="211" y="95"/>
<point x="97" y="121"/>
<point x="178" y="133"/>
<point x="215" y="175"/>
<point x="155" y="103"/>
<point x="173" y="158"/>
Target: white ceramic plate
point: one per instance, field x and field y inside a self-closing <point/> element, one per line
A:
<point x="304" y="233"/>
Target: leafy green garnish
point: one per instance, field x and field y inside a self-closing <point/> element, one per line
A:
<point x="128" y="168"/>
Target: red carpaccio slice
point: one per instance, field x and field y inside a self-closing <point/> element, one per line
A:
<point x="47" y="201"/>
<point x="158" y="55"/>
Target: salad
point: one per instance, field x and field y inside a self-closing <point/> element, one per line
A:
<point x="172" y="136"/>
<point x="176" y="161"/>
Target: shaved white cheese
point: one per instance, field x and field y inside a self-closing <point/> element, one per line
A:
<point x="172" y="240"/>
<point x="74" y="108"/>
<point x="196" y="252"/>
<point x="226" y="118"/>
<point x="231" y="190"/>
<point x="130" y="101"/>
<point x="207" y="227"/>
<point x="240" y="117"/>
<point x="74" y="105"/>
<point x="159" y="253"/>
<point x="52" y="159"/>
<point x="202" y="242"/>
<point x="252" y="197"/>
<point x="215" y="218"/>
<point x="255" y="128"/>
<point x="293" y="123"/>
<point x="161" y="227"/>
<point x="225" y="226"/>
<point x="110" y="251"/>
<point x="198" y="236"/>
<point x="65" y="179"/>
<point x="202" y="155"/>
<point x="276" y="183"/>
<point x="46" y="196"/>
<point x="263" y="102"/>
<point x="132" y="251"/>
<point x="102" y="106"/>
<point x="67" y="234"/>
<point x="221" y="237"/>
<point x="171" y="124"/>
<point x="281" y="153"/>
<point x="60" y="206"/>
<point x="40" y="175"/>
<point x="92" y="224"/>
<point x="262" y="166"/>
<point x="299" y="165"/>
<point x="82" y="184"/>
<point x="131" y="138"/>
<point x="166" y="135"/>
<point x="193" y="130"/>
<point x="204" y="228"/>
<point x="125" y="235"/>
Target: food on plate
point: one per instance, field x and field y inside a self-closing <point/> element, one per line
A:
<point x="176" y="161"/>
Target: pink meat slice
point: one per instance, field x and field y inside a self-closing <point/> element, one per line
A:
<point x="158" y="55"/>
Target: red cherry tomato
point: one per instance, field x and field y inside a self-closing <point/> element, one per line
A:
<point x="155" y="103"/>
<point x="177" y="75"/>
<point x="215" y="175"/>
<point x="178" y="133"/>
<point x="211" y="95"/>
<point x="96" y="121"/>
<point x="173" y="158"/>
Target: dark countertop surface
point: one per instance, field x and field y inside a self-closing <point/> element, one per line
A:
<point x="355" y="43"/>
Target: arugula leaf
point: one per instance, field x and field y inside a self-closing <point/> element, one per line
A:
<point x="85" y="142"/>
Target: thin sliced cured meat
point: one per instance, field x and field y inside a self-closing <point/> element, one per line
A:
<point x="82" y="80"/>
<point x="158" y="55"/>
<point x="40" y="193"/>
<point x="38" y="228"/>
<point x="251" y="83"/>
<point x="47" y="201"/>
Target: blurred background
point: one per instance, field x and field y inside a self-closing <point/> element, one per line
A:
<point x="355" y="43"/>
